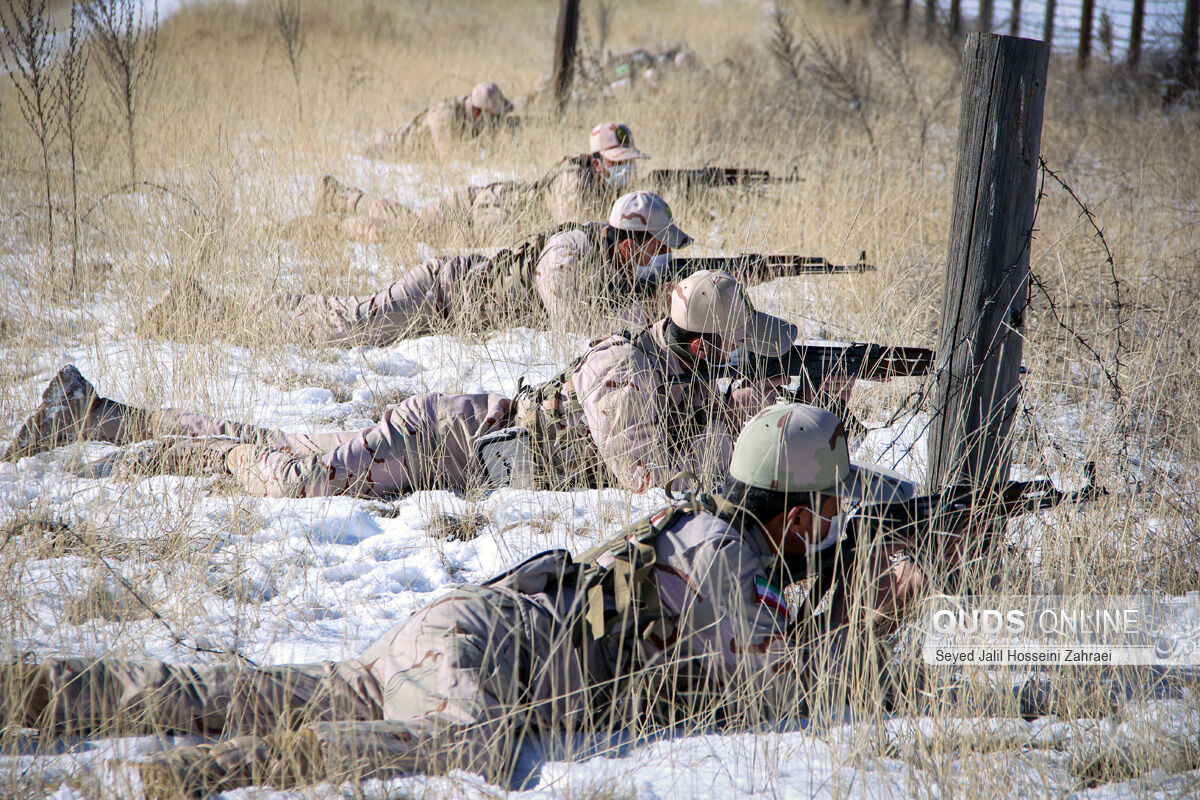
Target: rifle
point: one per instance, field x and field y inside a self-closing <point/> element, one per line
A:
<point x="688" y="179"/>
<point x="753" y="265"/>
<point x="915" y="519"/>
<point x="815" y="362"/>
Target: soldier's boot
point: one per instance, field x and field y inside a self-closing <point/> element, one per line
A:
<point x="336" y="197"/>
<point x="71" y="410"/>
<point x="25" y="693"/>
<point x="190" y="772"/>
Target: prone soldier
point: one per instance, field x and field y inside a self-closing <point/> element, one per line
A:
<point x="484" y="109"/>
<point x="581" y="277"/>
<point x="679" y="618"/>
<point x="634" y="411"/>
<point x="579" y="187"/>
<point x="584" y="277"/>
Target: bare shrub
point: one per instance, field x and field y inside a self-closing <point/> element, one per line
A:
<point x="843" y="72"/>
<point x="28" y="56"/>
<point x="127" y="45"/>
<point x="789" y="59"/>
<point x="286" y="14"/>
<point x="72" y="93"/>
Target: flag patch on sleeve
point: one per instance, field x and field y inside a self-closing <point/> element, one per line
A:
<point x="768" y="595"/>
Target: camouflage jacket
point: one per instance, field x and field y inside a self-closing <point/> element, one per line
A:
<point x="631" y="412"/>
<point x="441" y="125"/>
<point x="574" y="191"/>
<point x="678" y="613"/>
<point x="710" y="626"/>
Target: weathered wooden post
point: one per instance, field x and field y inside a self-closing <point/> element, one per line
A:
<point x="1190" y="68"/>
<point x="564" y="51"/>
<point x="1048" y="25"/>
<point x="987" y="262"/>
<point x="1014" y="20"/>
<point x="1086" y="14"/>
<point x="985" y="15"/>
<point x="1137" y="22"/>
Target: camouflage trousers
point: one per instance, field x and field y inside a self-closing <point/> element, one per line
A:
<point x="438" y="291"/>
<point x="424" y="442"/>
<point x="457" y="685"/>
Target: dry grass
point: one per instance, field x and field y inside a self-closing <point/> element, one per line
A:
<point x="235" y="140"/>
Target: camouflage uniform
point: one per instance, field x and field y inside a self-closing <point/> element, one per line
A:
<point x="446" y="123"/>
<point x="636" y="69"/>
<point x="551" y="645"/>
<point x="634" y="412"/>
<point x="572" y="278"/>
<point x="424" y="442"/>
<point x="571" y="192"/>
<point x="574" y="191"/>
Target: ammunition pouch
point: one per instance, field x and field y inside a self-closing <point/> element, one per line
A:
<point x="507" y="458"/>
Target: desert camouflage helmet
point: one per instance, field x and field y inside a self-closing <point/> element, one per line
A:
<point x="712" y="302"/>
<point x="793" y="448"/>
<point x="488" y="97"/>
<point x="646" y="211"/>
<point x="614" y="141"/>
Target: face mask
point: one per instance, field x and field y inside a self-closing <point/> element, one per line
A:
<point x="655" y="269"/>
<point x="619" y="175"/>
<point x="835" y="533"/>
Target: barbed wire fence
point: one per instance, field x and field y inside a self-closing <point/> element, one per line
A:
<point x="1116" y="31"/>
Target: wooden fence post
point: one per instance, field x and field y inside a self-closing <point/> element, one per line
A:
<point x="1048" y="25"/>
<point x="987" y="266"/>
<point x="1189" y="68"/>
<point x="1137" y="22"/>
<point x="1086" y="14"/>
<point x="1014" y="21"/>
<point x="564" y="51"/>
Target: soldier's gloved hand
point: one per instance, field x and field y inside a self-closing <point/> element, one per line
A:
<point x="839" y="386"/>
<point x="746" y="401"/>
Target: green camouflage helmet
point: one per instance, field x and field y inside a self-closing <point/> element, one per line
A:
<point x="793" y="448"/>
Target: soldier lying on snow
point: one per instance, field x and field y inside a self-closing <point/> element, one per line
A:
<point x="678" y="620"/>
<point x="457" y="119"/>
<point x="634" y="411"/>
<point x="580" y="187"/>
<point x="585" y="278"/>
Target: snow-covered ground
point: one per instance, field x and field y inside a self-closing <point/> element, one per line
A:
<point x="307" y="580"/>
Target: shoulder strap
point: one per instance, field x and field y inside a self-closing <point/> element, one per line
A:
<point x="629" y="580"/>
